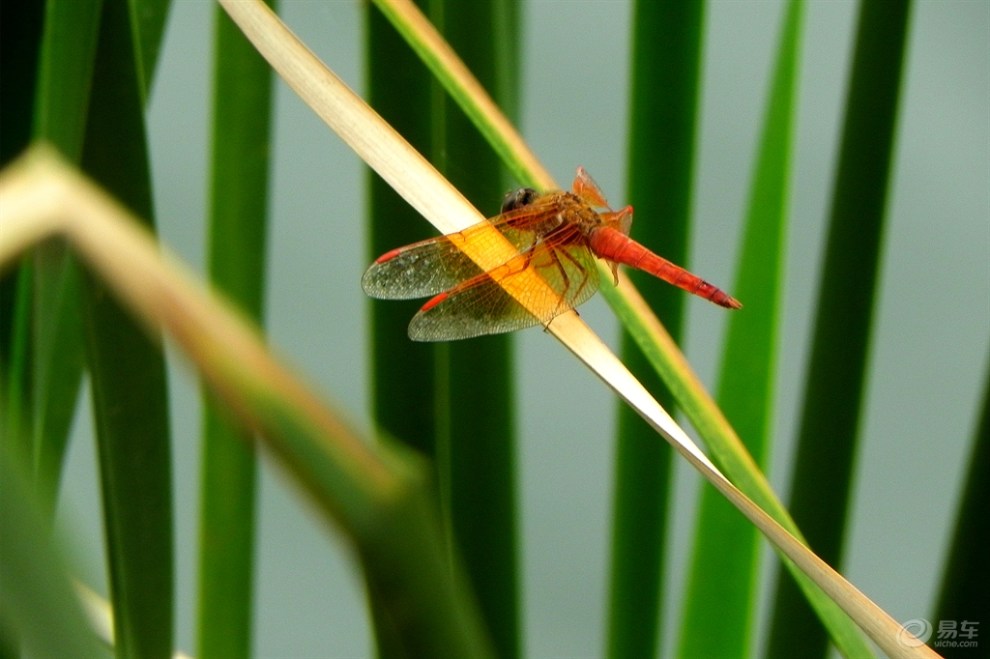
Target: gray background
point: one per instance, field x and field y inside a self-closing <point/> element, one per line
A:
<point x="927" y="362"/>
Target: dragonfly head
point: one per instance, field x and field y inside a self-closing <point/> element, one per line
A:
<point x="518" y="199"/>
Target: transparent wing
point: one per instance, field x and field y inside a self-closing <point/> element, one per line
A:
<point x="481" y="304"/>
<point x="435" y="265"/>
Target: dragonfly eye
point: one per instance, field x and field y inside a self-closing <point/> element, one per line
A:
<point x="518" y="199"/>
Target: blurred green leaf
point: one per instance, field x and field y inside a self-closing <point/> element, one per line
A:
<point x="834" y="390"/>
<point x="721" y="580"/>
<point x="127" y="369"/>
<point x="403" y="390"/>
<point x="21" y="28"/>
<point x="242" y="90"/>
<point x="65" y="77"/>
<point x="666" y="56"/>
<point x="68" y="51"/>
<point x="963" y="594"/>
<point x="476" y="446"/>
<point x="404" y="374"/>
<point x="150" y="18"/>
<point x="39" y="612"/>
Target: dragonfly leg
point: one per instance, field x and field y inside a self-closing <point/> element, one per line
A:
<point x="564" y="303"/>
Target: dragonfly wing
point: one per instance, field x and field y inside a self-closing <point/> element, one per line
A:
<point x="435" y="265"/>
<point x="418" y="270"/>
<point x="481" y="305"/>
<point x="477" y="307"/>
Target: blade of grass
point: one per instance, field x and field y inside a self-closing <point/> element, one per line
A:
<point x="237" y="240"/>
<point x="58" y="363"/>
<point x="399" y="87"/>
<point x="21" y="26"/>
<point x="476" y="449"/>
<point x="963" y="594"/>
<point x="721" y="580"/>
<point x="666" y="56"/>
<point x="731" y="455"/>
<point x="833" y="395"/>
<point x="840" y="603"/>
<point x="403" y="407"/>
<point x="465" y="90"/>
<point x="20" y="36"/>
<point x="65" y="75"/>
<point x="127" y="370"/>
<point x="443" y="206"/>
<point x="378" y="494"/>
<point x="148" y="25"/>
<point x="39" y="614"/>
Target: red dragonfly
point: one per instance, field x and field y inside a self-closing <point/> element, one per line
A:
<point x="558" y="235"/>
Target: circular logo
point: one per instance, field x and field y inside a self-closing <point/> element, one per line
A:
<point x="914" y="633"/>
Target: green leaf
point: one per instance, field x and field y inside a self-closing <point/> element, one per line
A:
<point x="481" y="114"/>
<point x="148" y="24"/>
<point x="237" y="264"/>
<point x="378" y="493"/>
<point x="68" y="51"/>
<point x="399" y="90"/>
<point x="127" y="369"/>
<point x="21" y="26"/>
<point x="962" y="595"/>
<point x="404" y="374"/>
<point x="65" y="76"/>
<point x="721" y="580"/>
<point x="476" y="446"/>
<point x="57" y="364"/>
<point x="834" y="390"/>
<point x="20" y="37"/>
<point x="661" y="166"/>
<point x="39" y="612"/>
<point x="726" y="448"/>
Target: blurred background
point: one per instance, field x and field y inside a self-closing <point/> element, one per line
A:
<point x="929" y="352"/>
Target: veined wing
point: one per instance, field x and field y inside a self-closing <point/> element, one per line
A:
<point x="435" y="265"/>
<point x="481" y="305"/>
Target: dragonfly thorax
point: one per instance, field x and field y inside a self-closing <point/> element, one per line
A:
<point x="576" y="211"/>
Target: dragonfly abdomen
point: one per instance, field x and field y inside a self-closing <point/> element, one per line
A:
<point x="611" y="244"/>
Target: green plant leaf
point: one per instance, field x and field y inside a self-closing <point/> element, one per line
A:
<point x="65" y="75"/>
<point x="404" y="374"/>
<point x="150" y="17"/>
<point x="39" y="612"/>
<point x="834" y="390"/>
<point x="719" y="580"/>
<point x="68" y="51"/>
<point x="379" y="494"/>
<point x="237" y="265"/>
<point x="21" y="26"/>
<point x="21" y="30"/>
<point x="399" y="89"/>
<point x="666" y="57"/>
<point x="127" y="370"/>
<point x="476" y="447"/>
<point x="962" y="595"/>
<point x="464" y="89"/>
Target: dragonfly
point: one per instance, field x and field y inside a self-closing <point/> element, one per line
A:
<point x="558" y="235"/>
